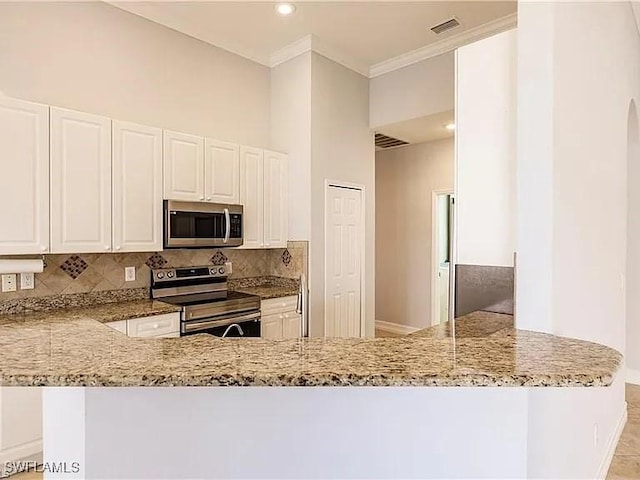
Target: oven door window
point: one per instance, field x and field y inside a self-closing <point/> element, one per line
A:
<point x="249" y="329"/>
<point x="197" y="225"/>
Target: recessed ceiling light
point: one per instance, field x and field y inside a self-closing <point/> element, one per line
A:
<point x="450" y="126"/>
<point x="285" y="9"/>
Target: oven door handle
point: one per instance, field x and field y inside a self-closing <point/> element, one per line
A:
<point x="227" y="219"/>
<point x="207" y="324"/>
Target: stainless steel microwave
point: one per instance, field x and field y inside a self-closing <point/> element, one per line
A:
<point x="202" y="225"/>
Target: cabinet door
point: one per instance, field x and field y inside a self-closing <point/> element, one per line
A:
<point x="221" y="172"/>
<point x="80" y="182"/>
<point x="291" y="325"/>
<point x="137" y="188"/>
<point x="276" y="203"/>
<point x="24" y="183"/>
<point x="251" y="196"/>
<point x="183" y="167"/>
<point x="271" y="327"/>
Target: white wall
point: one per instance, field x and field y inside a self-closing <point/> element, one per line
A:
<point x="632" y="343"/>
<point x="97" y="58"/>
<point x="20" y="425"/>
<point x="418" y="90"/>
<point x="486" y="151"/>
<point x="405" y="180"/>
<point x="342" y="150"/>
<point x="576" y="78"/>
<point x="291" y="133"/>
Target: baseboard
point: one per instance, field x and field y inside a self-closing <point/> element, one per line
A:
<point x="28" y="452"/>
<point x="613" y="443"/>
<point x="633" y="376"/>
<point x="395" y="328"/>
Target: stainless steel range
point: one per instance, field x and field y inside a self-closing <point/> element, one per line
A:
<point x="207" y="305"/>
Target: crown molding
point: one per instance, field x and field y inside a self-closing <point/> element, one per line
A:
<point x="305" y="44"/>
<point x="446" y="45"/>
<point x="311" y="43"/>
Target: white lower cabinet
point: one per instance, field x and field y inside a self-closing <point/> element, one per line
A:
<point x="157" y="326"/>
<point x="280" y="320"/>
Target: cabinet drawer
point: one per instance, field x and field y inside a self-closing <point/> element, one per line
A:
<point x="156" y="326"/>
<point x="279" y="305"/>
<point x="120" y="326"/>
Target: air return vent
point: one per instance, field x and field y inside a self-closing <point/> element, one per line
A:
<point x="382" y="141"/>
<point x="444" y="26"/>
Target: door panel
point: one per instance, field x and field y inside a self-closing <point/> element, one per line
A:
<point x="343" y="254"/>
<point x="137" y="188"/>
<point x="183" y="167"/>
<point x="222" y="172"/>
<point x="251" y="196"/>
<point x="24" y="186"/>
<point x="276" y="203"/>
<point x="81" y="182"/>
<point x="271" y="327"/>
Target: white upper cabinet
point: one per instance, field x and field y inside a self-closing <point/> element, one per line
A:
<point x="252" y="195"/>
<point x="264" y="186"/>
<point x="137" y="188"/>
<point x="276" y="203"/>
<point x="80" y="182"/>
<point x="221" y="172"/>
<point x="183" y="167"/>
<point x="24" y="182"/>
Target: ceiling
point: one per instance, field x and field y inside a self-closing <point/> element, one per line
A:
<point x="367" y="32"/>
<point x="420" y="130"/>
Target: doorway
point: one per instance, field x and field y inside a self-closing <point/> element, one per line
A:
<point x="344" y="252"/>
<point x="441" y="254"/>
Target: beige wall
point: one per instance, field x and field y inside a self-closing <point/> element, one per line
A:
<point x="486" y="151"/>
<point x="342" y="150"/>
<point x="419" y="90"/>
<point x="291" y="133"/>
<point x="97" y="58"/>
<point x="405" y="180"/>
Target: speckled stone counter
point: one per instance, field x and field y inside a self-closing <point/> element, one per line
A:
<point x="266" y="287"/>
<point x="72" y="347"/>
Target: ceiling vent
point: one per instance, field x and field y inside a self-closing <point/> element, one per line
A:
<point x="444" y="26"/>
<point x="382" y="141"/>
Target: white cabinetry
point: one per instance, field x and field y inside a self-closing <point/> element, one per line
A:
<point x="80" y="182"/>
<point x="183" y="167"/>
<point x="252" y="195"/>
<point x="263" y="192"/>
<point x="24" y="182"/>
<point x="156" y="326"/>
<point x="20" y="425"/>
<point x="137" y="188"/>
<point x="221" y="172"/>
<point x="276" y="206"/>
<point x="280" y="320"/>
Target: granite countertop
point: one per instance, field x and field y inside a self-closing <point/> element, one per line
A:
<point x="266" y="287"/>
<point x="72" y="348"/>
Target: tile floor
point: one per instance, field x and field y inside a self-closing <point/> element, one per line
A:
<point x="626" y="462"/>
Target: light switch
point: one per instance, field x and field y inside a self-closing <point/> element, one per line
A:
<point x="27" y="281"/>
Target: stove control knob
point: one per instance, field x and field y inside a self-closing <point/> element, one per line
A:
<point x="213" y="271"/>
<point x="160" y="275"/>
<point x="170" y="274"/>
<point x="221" y="270"/>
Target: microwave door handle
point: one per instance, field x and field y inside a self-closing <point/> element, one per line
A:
<point x="227" y="220"/>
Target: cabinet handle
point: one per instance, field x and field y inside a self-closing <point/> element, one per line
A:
<point x="43" y="248"/>
<point x="202" y="198"/>
<point x="118" y="247"/>
<point x="155" y="325"/>
<point x="107" y="247"/>
<point x="208" y="198"/>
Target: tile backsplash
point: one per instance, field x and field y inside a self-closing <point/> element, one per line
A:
<point x="83" y="273"/>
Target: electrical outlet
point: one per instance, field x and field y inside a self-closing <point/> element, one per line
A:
<point x="228" y="266"/>
<point x="9" y="283"/>
<point x="130" y="274"/>
<point x="27" y="281"/>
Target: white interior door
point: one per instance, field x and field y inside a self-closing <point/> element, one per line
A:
<point x="343" y="257"/>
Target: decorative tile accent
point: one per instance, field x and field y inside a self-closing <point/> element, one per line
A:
<point x="74" y="266"/>
<point x="286" y="257"/>
<point x="219" y="258"/>
<point x="156" y="261"/>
